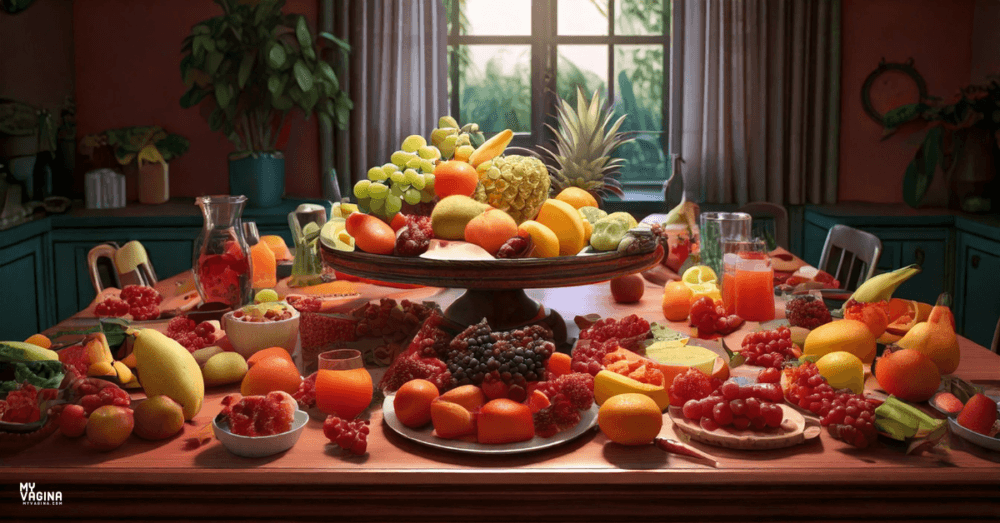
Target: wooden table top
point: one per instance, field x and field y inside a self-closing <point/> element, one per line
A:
<point x="589" y="478"/>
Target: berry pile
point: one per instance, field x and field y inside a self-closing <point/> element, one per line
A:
<point x="515" y="357"/>
<point x="109" y="395"/>
<point x="848" y="417"/>
<point x="568" y="395"/>
<point x="693" y="384"/>
<point x="414" y="237"/>
<point x="306" y="394"/>
<point x="807" y="311"/>
<point x="351" y="436"/>
<point x="21" y="404"/>
<point x="708" y="317"/>
<point x="192" y="336"/>
<point x="769" y="348"/>
<point x="740" y="406"/>
<point x="142" y="302"/>
<point x="604" y="337"/>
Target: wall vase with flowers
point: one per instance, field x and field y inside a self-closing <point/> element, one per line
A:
<point x="962" y="138"/>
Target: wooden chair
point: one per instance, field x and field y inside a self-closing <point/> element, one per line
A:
<point x="775" y="212"/>
<point x="996" y="339"/>
<point x="850" y="255"/>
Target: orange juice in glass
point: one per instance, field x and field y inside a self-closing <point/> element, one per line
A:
<point x="343" y="385"/>
<point x="748" y="280"/>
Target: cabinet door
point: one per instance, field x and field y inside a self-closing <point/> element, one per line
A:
<point x="927" y="247"/>
<point x="22" y="271"/>
<point x="978" y="293"/>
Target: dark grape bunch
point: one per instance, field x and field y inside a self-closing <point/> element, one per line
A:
<point x="807" y="311"/>
<point x="515" y="357"/>
<point x="351" y="436"/>
<point x="769" y="348"/>
<point x="848" y="417"/>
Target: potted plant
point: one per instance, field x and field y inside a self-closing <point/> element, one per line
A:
<point x="962" y="137"/>
<point x="249" y="68"/>
<point x="150" y="147"/>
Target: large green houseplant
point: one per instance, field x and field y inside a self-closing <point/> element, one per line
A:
<point x="247" y="70"/>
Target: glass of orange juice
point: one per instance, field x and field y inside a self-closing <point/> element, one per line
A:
<point x="343" y="385"/>
<point x="748" y="280"/>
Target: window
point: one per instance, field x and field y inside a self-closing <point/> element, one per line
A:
<point x="508" y="59"/>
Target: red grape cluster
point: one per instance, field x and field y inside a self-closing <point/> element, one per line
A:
<point x="807" y="311"/>
<point x="351" y="436"/>
<point x="739" y="406"/>
<point x="414" y="238"/>
<point x="848" y="417"/>
<point x="140" y="301"/>
<point x="692" y="384"/>
<point x="605" y="336"/>
<point x="769" y="348"/>
<point x="192" y="336"/>
<point x="709" y="317"/>
<point x="109" y="395"/>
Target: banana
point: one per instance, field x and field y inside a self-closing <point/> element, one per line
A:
<point x="881" y="286"/>
<point x="166" y="367"/>
<point x="491" y="148"/>
<point x="30" y="351"/>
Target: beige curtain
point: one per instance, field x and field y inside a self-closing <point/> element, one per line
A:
<point x="755" y="99"/>
<point x="397" y="78"/>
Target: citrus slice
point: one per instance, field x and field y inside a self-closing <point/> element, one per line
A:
<point x="683" y="356"/>
<point x="335" y="235"/>
<point x="699" y="274"/>
<point x="709" y="289"/>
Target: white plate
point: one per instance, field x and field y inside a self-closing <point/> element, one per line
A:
<point x="425" y="435"/>
<point x="979" y="439"/>
<point x="260" y="446"/>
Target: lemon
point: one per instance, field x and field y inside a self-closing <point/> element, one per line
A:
<point x="842" y="370"/>
<point x="699" y="274"/>
<point x="265" y="296"/>
<point x="709" y="289"/>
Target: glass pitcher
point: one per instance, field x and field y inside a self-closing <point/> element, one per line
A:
<point x="221" y="261"/>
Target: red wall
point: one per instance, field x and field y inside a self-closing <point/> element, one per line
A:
<point x="938" y="36"/>
<point x="128" y="73"/>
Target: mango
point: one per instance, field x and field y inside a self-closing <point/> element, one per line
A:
<point x="452" y="214"/>
<point x="166" y="367"/>
<point x="566" y="222"/>
<point x="223" y="368"/>
<point x="841" y="335"/>
<point x="608" y="384"/>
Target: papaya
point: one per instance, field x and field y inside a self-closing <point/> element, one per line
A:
<point x="166" y="367"/>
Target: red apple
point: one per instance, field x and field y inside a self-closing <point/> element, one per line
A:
<point x="628" y="289"/>
<point x="109" y="426"/>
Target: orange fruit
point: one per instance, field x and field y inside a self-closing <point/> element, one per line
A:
<point x="455" y="177"/>
<point x="908" y="374"/>
<point x="490" y="230"/>
<point x="874" y="315"/>
<point x="413" y="402"/>
<point x="577" y="197"/>
<point x="469" y="396"/>
<point x="39" y="339"/>
<point x="451" y="420"/>
<point x="537" y="401"/>
<point x="676" y="301"/>
<point x="278" y="247"/>
<point x="559" y="363"/>
<point x="370" y="233"/>
<point x="504" y="421"/>
<point x="271" y="374"/>
<point x="630" y="419"/>
<point x="271" y="352"/>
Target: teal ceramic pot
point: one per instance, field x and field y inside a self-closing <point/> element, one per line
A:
<point x="260" y="179"/>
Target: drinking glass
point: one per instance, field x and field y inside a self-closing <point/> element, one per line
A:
<point x="343" y="385"/>
<point x="748" y="280"/>
<point x="718" y="227"/>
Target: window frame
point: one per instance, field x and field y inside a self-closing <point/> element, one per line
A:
<point x="544" y="42"/>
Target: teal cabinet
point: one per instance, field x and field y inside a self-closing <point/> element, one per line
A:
<point x="977" y="296"/>
<point x="24" y="275"/>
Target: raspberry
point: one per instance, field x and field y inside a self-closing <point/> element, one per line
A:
<point x="306" y="395"/>
<point x="692" y="384"/>
<point x="114" y="396"/>
<point x="351" y="436"/>
<point x="807" y="312"/>
<point x="545" y="424"/>
<point x="565" y="414"/>
<point x="179" y="324"/>
<point x="606" y="336"/>
<point x="576" y="387"/>
<point x="412" y="366"/>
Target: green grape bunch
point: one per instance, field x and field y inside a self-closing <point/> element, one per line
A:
<point x="408" y="177"/>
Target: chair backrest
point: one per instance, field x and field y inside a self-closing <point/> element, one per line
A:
<point x="850" y="255"/>
<point x="996" y="339"/>
<point x="774" y="211"/>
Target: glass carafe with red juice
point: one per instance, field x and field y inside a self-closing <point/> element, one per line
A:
<point x="221" y="261"/>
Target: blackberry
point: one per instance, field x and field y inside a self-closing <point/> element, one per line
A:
<point x="807" y="312"/>
<point x="514" y="357"/>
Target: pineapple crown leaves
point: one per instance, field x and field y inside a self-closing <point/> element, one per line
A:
<point x="584" y="144"/>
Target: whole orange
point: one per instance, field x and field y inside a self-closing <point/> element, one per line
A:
<point x="630" y="419"/>
<point x="413" y="402"/>
<point x="268" y="353"/>
<point x="504" y="421"/>
<point x="455" y="177"/>
<point x="490" y="230"/>
<point x="577" y="197"/>
<point x="271" y="374"/>
<point x="676" y="301"/>
<point x="908" y="374"/>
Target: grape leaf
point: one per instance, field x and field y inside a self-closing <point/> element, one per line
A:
<point x="664" y="333"/>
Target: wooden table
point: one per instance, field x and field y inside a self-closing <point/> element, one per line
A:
<point x="589" y="478"/>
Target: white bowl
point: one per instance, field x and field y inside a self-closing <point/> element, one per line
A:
<point x="259" y="446"/>
<point x="250" y="337"/>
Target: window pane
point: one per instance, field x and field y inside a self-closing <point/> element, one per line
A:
<point x="582" y="17"/>
<point x="581" y="65"/>
<point x="639" y="86"/>
<point x="492" y="17"/>
<point x="639" y="17"/>
<point x="494" y="86"/>
<point x="644" y="159"/>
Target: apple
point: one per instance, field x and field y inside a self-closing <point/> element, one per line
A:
<point x="158" y="417"/>
<point x="109" y="426"/>
<point x="628" y="289"/>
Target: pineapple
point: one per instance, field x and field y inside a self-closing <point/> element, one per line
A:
<point x="583" y="148"/>
<point x="516" y="184"/>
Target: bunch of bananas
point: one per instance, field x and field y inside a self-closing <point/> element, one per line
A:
<point x="454" y="142"/>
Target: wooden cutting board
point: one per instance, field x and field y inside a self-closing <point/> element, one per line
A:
<point x="795" y="429"/>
